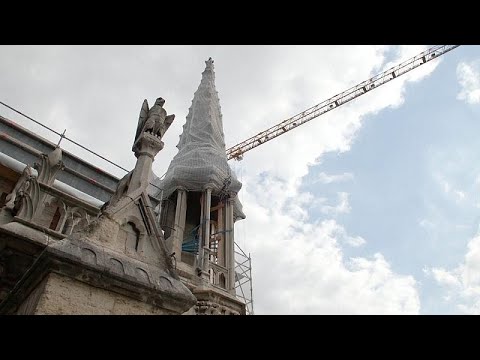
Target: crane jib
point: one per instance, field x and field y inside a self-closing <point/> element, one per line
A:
<point x="237" y="151"/>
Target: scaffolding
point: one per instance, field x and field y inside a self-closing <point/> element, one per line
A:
<point x="243" y="278"/>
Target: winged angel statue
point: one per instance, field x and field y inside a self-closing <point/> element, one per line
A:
<point x="154" y="121"/>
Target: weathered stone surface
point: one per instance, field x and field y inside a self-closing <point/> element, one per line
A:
<point x="114" y="260"/>
<point x="114" y="264"/>
<point x="211" y="301"/>
<point x="92" y="265"/>
<point x="29" y="306"/>
<point x="66" y="296"/>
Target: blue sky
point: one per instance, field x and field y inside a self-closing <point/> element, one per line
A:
<point x="372" y="208"/>
<point x="396" y="162"/>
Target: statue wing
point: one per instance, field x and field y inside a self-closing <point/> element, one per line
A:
<point x="168" y="121"/>
<point x="142" y="118"/>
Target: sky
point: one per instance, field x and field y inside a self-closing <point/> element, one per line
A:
<point x="372" y="208"/>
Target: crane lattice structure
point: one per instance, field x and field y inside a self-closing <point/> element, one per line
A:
<point x="237" y="151"/>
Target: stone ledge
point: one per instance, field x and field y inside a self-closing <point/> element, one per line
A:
<point x="104" y="269"/>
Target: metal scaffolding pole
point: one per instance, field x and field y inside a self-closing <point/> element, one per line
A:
<point x="243" y="278"/>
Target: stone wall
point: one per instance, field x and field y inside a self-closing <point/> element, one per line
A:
<point x="63" y="295"/>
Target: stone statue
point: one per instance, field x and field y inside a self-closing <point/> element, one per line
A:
<point x="13" y="200"/>
<point x="152" y="125"/>
<point x="153" y="121"/>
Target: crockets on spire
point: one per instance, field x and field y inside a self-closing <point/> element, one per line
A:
<point x="201" y="160"/>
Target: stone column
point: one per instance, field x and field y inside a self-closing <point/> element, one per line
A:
<point x="199" y="258"/>
<point x="179" y="225"/>
<point x="207" y="201"/>
<point x="142" y="170"/>
<point x="221" y="243"/>
<point x="145" y="148"/>
<point x="229" y="246"/>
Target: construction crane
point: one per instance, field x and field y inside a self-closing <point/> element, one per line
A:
<point x="236" y="152"/>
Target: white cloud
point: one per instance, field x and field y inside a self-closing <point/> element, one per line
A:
<point x="327" y="179"/>
<point x="462" y="283"/>
<point x="298" y="263"/>
<point x="356" y="241"/>
<point x="444" y="277"/>
<point x="342" y="236"/>
<point x="468" y="75"/>
<point x="299" y="267"/>
<point x="343" y="206"/>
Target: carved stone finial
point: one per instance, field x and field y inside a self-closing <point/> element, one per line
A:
<point x="152" y="125"/>
<point x="50" y="165"/>
<point x="209" y="64"/>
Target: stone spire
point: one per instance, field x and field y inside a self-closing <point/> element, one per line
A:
<point x="201" y="160"/>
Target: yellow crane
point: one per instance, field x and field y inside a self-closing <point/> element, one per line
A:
<point x="236" y="152"/>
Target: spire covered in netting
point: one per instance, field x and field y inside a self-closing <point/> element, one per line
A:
<point x="204" y="125"/>
<point x="201" y="159"/>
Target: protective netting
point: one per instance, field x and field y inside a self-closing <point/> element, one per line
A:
<point x="201" y="159"/>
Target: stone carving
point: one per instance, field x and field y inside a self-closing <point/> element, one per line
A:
<point x="120" y="191"/>
<point x="50" y="165"/>
<point x="166" y="281"/>
<point x="27" y="200"/>
<point x="89" y="255"/>
<point x="25" y="197"/>
<point x="153" y="121"/>
<point x="142" y="274"/>
<point x="116" y="266"/>
<point x="152" y="124"/>
<point x="127" y="223"/>
<point x="212" y="308"/>
<point x="75" y="218"/>
<point x="22" y="188"/>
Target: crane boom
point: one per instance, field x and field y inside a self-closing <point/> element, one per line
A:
<point x="237" y="151"/>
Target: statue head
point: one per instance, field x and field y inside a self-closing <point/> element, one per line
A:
<point x="209" y="64"/>
<point x="160" y="101"/>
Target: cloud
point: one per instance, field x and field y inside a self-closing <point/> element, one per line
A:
<point x="356" y="241"/>
<point x="444" y="277"/>
<point x="468" y="75"/>
<point x="462" y="283"/>
<point x="343" y="206"/>
<point x="96" y="92"/>
<point x="327" y="179"/>
<point x="299" y="267"/>
<point x="298" y="262"/>
<point x="342" y="236"/>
